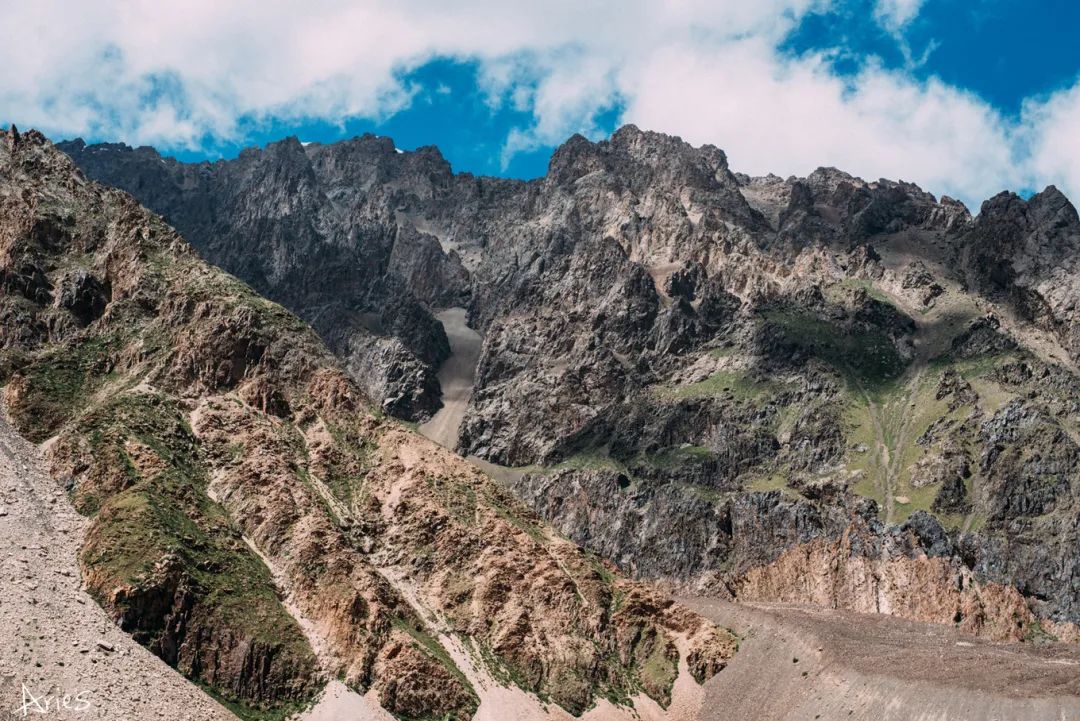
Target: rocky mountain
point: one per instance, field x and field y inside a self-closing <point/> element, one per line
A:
<point x="816" y="389"/>
<point x="288" y="223"/>
<point x="252" y="519"/>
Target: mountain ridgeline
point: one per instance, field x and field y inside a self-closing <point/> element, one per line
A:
<point x="255" y="521"/>
<point x="814" y="389"/>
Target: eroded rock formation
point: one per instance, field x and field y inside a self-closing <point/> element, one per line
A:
<point x="709" y="371"/>
<point x="226" y="459"/>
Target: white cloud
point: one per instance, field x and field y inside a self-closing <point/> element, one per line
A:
<point x="319" y="58"/>
<point x="893" y="15"/>
<point x="1052" y="136"/>
<point x="791" y="116"/>
<point x="175" y="74"/>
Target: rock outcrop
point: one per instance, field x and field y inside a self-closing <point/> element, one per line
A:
<point x="227" y="460"/>
<point x="286" y="221"/>
<point x="677" y="348"/>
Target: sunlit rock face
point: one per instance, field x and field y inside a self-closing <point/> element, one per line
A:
<point x="705" y="372"/>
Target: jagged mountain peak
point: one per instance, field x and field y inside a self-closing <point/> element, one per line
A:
<point x="226" y="460"/>
<point x="1047" y="210"/>
<point x="696" y="329"/>
<point x="814" y="390"/>
<point x="1052" y="207"/>
<point x="631" y="153"/>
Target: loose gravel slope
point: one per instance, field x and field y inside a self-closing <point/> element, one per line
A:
<point x="54" y="639"/>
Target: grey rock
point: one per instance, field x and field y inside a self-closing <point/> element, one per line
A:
<point x="692" y="331"/>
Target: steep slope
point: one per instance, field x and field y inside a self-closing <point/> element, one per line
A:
<point x="226" y="459"/>
<point x="287" y="220"/>
<point x="57" y="642"/>
<point x="1023" y="254"/>
<point x="730" y="383"/>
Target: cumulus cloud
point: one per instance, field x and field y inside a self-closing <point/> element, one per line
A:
<point x="1050" y="133"/>
<point x="99" y="67"/>
<point x="195" y="73"/>
<point x="795" y="115"/>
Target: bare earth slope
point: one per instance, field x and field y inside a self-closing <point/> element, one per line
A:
<point x="456" y="376"/>
<point x="54" y="639"/>
<point x="836" y="665"/>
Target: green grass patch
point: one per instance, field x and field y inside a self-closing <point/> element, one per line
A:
<point x="978" y="522"/>
<point x="724" y="352"/>
<point x="659" y="670"/>
<point x="532" y="530"/>
<point x="919" y="499"/>
<point x="459" y="499"/>
<point x="57" y="384"/>
<point x="279" y="712"/>
<point x="972" y="368"/>
<point x="347" y="464"/>
<point x="770" y="482"/>
<point x="590" y="459"/>
<point x="863" y="284"/>
<point x="675" y="458"/>
<point x="431" y="646"/>
<point x="228" y="292"/>
<point x="720" y="383"/>
<point x="159" y="510"/>
<point x="504" y="672"/>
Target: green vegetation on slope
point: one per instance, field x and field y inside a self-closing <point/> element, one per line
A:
<point x="159" y="535"/>
<point x="56" y="384"/>
<point x="723" y="382"/>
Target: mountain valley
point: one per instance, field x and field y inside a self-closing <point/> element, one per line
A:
<point x="257" y="525"/>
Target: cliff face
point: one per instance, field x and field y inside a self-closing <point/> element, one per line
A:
<point x="238" y="481"/>
<point x="708" y="370"/>
<point x="286" y="220"/>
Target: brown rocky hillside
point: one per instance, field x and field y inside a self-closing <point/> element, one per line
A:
<point x="254" y="521"/>
<point x="822" y="389"/>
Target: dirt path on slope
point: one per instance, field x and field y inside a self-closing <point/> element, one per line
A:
<point x="798" y="662"/>
<point x="54" y="639"/>
<point x="456" y="378"/>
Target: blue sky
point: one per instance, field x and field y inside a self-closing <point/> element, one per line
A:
<point x="1004" y="50"/>
<point x="964" y="97"/>
<point x="447" y="109"/>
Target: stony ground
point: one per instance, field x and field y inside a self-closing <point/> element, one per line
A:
<point x="812" y="663"/>
<point x="54" y="640"/>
